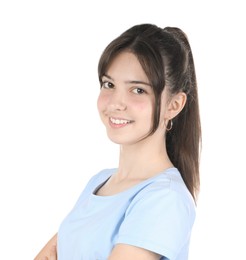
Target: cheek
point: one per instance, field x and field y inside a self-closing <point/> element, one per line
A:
<point x="145" y="113"/>
<point x="101" y="102"/>
<point x="144" y="107"/>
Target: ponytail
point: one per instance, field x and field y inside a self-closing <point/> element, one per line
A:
<point x="184" y="140"/>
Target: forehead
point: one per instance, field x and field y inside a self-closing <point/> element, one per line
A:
<point x="126" y="66"/>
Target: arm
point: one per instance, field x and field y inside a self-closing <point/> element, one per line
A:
<point x="49" y="250"/>
<point x="124" y="251"/>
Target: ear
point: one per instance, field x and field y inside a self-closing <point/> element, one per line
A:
<point x="175" y="105"/>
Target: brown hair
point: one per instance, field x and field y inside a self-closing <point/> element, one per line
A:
<point x="165" y="56"/>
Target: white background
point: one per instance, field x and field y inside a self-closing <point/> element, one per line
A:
<point x="52" y="140"/>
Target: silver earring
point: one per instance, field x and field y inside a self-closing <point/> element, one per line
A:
<point x="169" y="126"/>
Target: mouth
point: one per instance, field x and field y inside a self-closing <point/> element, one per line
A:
<point x="119" y="121"/>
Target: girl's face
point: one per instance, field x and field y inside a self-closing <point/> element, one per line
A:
<point x="126" y="100"/>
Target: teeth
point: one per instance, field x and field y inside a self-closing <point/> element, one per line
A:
<point x="119" y="121"/>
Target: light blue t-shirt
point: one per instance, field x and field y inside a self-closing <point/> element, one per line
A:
<point x="156" y="214"/>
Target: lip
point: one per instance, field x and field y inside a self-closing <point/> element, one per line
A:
<point x="113" y="120"/>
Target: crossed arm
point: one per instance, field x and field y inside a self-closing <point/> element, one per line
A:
<point x="49" y="250"/>
<point x="119" y="252"/>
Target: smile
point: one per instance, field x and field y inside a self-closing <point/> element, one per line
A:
<point x="118" y="121"/>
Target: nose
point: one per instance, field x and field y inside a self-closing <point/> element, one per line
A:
<point x="117" y="101"/>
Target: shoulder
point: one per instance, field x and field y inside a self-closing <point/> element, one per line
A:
<point x="168" y="181"/>
<point x="98" y="179"/>
<point x="101" y="176"/>
<point x="165" y="191"/>
<point x="95" y="181"/>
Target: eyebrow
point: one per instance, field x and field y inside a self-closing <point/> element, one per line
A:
<point x="128" y="81"/>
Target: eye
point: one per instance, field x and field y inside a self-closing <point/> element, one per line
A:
<point x="107" y="84"/>
<point x="139" y="91"/>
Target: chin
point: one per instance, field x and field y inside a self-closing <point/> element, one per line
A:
<point x="120" y="140"/>
<point x="116" y="140"/>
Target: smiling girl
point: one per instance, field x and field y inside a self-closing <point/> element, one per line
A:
<point x="148" y="102"/>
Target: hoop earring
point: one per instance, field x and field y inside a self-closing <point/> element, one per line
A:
<point x="169" y="127"/>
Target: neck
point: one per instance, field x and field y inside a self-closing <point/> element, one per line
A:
<point x="143" y="160"/>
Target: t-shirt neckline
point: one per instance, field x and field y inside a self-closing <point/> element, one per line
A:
<point x="142" y="183"/>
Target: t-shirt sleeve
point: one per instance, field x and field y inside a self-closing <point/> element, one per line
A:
<point x="159" y="220"/>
